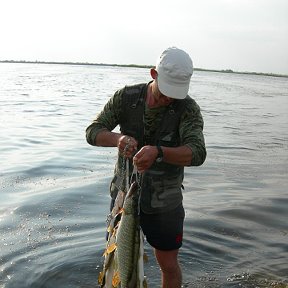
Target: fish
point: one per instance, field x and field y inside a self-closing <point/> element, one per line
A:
<point x="124" y="254"/>
<point x="125" y="238"/>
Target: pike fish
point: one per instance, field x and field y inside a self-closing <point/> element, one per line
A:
<point x="124" y="255"/>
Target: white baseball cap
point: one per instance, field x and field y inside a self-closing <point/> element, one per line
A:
<point x="174" y="68"/>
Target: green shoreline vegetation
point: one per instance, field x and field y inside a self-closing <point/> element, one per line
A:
<point x="138" y="66"/>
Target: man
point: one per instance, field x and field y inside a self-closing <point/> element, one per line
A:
<point x="161" y="132"/>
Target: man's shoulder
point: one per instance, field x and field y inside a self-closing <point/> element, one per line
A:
<point x="189" y="104"/>
<point x="189" y="100"/>
<point x="128" y="92"/>
<point x="133" y="88"/>
<point x="189" y="109"/>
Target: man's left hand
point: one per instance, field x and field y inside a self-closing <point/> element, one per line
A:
<point x="145" y="157"/>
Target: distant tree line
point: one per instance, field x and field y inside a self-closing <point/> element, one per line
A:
<point x="137" y="66"/>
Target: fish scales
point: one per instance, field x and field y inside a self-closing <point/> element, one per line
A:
<point x="125" y="237"/>
<point x="123" y="263"/>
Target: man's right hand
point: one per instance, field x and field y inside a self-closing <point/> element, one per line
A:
<point x="127" y="146"/>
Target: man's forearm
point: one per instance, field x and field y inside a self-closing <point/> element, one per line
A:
<point x="181" y="156"/>
<point x="107" y="138"/>
<point x="147" y="155"/>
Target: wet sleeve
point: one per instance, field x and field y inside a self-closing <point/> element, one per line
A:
<point x="191" y="132"/>
<point x="107" y="119"/>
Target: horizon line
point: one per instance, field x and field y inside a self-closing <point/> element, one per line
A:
<point x="137" y="66"/>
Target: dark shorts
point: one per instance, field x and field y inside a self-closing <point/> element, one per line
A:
<point x="164" y="231"/>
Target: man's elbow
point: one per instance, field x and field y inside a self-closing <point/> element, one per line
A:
<point x="198" y="157"/>
<point x="90" y="136"/>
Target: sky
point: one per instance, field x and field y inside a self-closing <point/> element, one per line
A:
<point x="242" y="35"/>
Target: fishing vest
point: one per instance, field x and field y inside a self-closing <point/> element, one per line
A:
<point x="161" y="183"/>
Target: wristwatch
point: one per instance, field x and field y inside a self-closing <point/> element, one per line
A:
<point x="159" y="158"/>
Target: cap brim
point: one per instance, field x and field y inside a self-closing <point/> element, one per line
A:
<point x="172" y="91"/>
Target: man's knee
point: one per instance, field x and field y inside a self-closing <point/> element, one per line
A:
<point x="167" y="260"/>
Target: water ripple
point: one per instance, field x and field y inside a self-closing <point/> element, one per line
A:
<point x="54" y="186"/>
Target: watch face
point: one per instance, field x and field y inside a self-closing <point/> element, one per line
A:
<point x="159" y="159"/>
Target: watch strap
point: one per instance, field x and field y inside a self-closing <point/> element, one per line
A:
<point x="160" y="154"/>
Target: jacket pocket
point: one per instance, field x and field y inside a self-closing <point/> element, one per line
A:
<point x="165" y="191"/>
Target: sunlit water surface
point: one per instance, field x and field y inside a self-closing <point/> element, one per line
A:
<point x="54" y="186"/>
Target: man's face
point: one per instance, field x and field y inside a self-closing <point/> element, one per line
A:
<point x="160" y="99"/>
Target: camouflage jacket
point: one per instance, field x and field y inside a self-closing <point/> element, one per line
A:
<point x="187" y="131"/>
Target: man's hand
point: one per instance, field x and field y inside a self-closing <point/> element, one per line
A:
<point x="127" y="146"/>
<point x="145" y="158"/>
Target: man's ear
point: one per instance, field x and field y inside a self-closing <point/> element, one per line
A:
<point x="153" y="73"/>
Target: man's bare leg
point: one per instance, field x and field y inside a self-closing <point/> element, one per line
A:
<point x="170" y="268"/>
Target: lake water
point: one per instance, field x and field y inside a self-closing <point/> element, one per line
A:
<point x="54" y="186"/>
